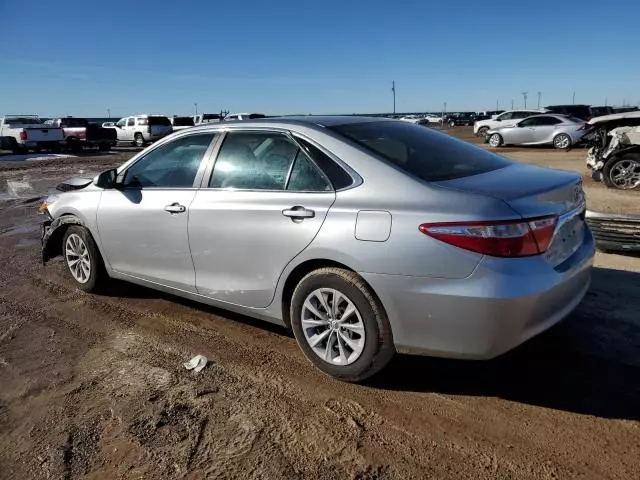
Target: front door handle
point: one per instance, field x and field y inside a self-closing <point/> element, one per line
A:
<point x="298" y="212"/>
<point x="175" y="208"/>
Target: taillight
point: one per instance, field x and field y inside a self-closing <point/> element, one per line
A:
<point x="23" y="135"/>
<point x="514" y="238"/>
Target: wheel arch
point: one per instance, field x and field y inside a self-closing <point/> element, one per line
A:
<point x="300" y="271"/>
<point x="52" y="239"/>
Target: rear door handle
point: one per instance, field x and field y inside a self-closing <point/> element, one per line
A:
<point x="298" y="212"/>
<point x="175" y="208"/>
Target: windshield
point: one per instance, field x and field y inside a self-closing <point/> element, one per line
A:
<point x="421" y="152"/>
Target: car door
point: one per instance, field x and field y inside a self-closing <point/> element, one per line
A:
<point x="264" y="202"/>
<point x="546" y="129"/>
<point x="121" y="131"/>
<point x="143" y="223"/>
<point x="524" y="131"/>
<point x="504" y="120"/>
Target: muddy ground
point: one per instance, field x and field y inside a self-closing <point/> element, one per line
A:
<point x="93" y="387"/>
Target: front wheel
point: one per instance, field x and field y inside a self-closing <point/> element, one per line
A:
<point x="339" y="324"/>
<point x="452" y="124"/>
<point x="82" y="258"/>
<point x="495" y="140"/>
<point x="562" y="141"/>
<point x="623" y="172"/>
<point x="482" y="132"/>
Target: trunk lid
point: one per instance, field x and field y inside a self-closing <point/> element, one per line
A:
<point x="536" y="192"/>
<point x="531" y="191"/>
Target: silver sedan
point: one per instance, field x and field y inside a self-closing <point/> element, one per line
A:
<point x="364" y="236"/>
<point x="561" y="131"/>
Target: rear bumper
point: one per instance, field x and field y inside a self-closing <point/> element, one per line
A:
<point x="500" y="305"/>
<point x="43" y="144"/>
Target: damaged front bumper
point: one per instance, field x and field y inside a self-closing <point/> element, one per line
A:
<point x="615" y="231"/>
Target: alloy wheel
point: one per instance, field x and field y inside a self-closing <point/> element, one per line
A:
<point x="562" y="141"/>
<point x="77" y="256"/>
<point x="333" y="326"/>
<point x="625" y="174"/>
<point x="494" y="140"/>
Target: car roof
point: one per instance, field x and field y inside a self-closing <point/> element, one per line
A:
<point x="614" y="116"/>
<point x="307" y="120"/>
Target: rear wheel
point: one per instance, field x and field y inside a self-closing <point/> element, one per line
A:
<point x="562" y="141"/>
<point x="495" y="140"/>
<point x="83" y="258"/>
<point x="138" y="140"/>
<point x="623" y="172"/>
<point x="339" y="324"/>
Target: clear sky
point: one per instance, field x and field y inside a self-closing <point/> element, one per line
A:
<point x="68" y="57"/>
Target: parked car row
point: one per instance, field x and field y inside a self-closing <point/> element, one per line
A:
<point x="21" y="133"/>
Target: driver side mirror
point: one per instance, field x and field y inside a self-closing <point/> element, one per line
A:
<point x="108" y="179"/>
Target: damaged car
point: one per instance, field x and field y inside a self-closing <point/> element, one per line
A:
<point x="614" y="150"/>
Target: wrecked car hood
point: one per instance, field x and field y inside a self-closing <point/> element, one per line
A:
<point x="615" y="117"/>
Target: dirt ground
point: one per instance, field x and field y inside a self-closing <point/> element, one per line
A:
<point x="93" y="386"/>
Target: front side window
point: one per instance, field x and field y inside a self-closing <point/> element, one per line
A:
<point x="172" y="165"/>
<point x="506" y="116"/>
<point x="531" y="122"/>
<point x="421" y="152"/>
<point x="121" y="123"/>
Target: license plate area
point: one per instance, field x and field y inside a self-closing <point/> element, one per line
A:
<point x="567" y="239"/>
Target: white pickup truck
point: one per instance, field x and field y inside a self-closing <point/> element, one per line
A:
<point x="23" y="132"/>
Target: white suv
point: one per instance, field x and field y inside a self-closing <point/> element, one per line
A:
<point x="143" y="129"/>
<point x="506" y="119"/>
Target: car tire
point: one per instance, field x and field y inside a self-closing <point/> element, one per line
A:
<point x="482" y="132"/>
<point x="495" y="140"/>
<point x="361" y="355"/>
<point x="562" y="141"/>
<point x="452" y="124"/>
<point x="88" y="270"/>
<point x="138" y="140"/>
<point x="613" y="167"/>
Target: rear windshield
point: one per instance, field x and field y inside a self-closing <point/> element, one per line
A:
<point x="74" y="122"/>
<point x="183" y="122"/>
<point x="164" y="121"/>
<point x="421" y="152"/>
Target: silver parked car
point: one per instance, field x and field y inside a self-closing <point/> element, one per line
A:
<point x="364" y="236"/>
<point x="561" y="131"/>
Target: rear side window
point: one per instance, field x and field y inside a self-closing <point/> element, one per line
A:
<point x="336" y="174"/>
<point x="164" y="121"/>
<point x="421" y="152"/>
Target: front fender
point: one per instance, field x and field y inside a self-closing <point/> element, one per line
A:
<point x="52" y="232"/>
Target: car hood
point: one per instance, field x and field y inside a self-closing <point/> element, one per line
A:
<point x="77" y="183"/>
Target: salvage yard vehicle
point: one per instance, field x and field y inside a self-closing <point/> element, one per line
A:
<point x="460" y="119"/>
<point x="582" y="112"/>
<point x="560" y="131"/>
<point x="140" y="130"/>
<point x="506" y="119"/>
<point x="243" y="116"/>
<point x="21" y="133"/>
<point x="365" y="236"/>
<point x="204" y="118"/>
<point x="78" y="133"/>
<point x="181" y="123"/>
<point x="614" y="150"/>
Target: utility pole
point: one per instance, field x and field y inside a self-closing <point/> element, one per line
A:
<point x="196" y="105"/>
<point x="109" y="113"/>
<point x="511" y="104"/>
<point x="573" y="98"/>
<point x="605" y="101"/>
<point x="393" y="90"/>
<point x="497" y="107"/>
<point x="539" y="97"/>
<point x="525" y="95"/>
